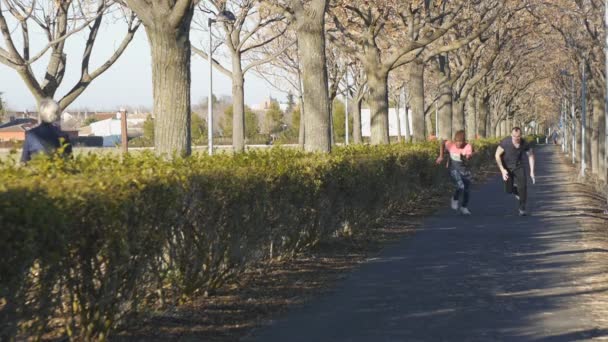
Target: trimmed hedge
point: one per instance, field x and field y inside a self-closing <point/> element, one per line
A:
<point x="86" y="242"/>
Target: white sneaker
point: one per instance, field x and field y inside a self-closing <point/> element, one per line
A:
<point x="454" y="204"/>
<point x="517" y="196"/>
<point x="465" y="211"/>
<point x="522" y="213"/>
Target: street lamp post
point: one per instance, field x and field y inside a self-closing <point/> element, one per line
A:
<point x="223" y="16"/>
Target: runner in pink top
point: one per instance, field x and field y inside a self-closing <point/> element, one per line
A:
<point x="460" y="151"/>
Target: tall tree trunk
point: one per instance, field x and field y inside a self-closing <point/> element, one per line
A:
<point x="416" y="96"/>
<point x="332" y="133"/>
<point x="601" y="123"/>
<point x="495" y="125"/>
<point x="377" y="81"/>
<point x="238" y="104"/>
<point x="429" y="122"/>
<point x="408" y="134"/>
<point x="445" y="99"/>
<point x="458" y="122"/>
<point x="499" y="129"/>
<point x="171" y="87"/>
<point x="355" y="109"/>
<point x="311" y="50"/>
<point x="483" y="115"/>
<point x="471" y="117"/>
<point x="398" y="118"/>
<point x="579" y="145"/>
<point x="588" y="135"/>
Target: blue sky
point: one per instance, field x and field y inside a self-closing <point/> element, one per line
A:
<point x="128" y="82"/>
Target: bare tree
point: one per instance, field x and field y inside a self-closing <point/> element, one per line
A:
<point x="378" y="30"/>
<point x="255" y="26"/>
<point x="283" y="73"/>
<point x="357" y="90"/>
<point x="580" y="25"/>
<point x="59" y="20"/>
<point x="308" y="17"/>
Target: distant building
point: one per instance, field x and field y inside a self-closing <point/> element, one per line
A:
<point x="65" y="116"/>
<point x="265" y="105"/>
<point x="110" y="129"/>
<point x="101" y="115"/>
<point x="392" y="122"/>
<point x="12" y="116"/>
<point x="15" y="129"/>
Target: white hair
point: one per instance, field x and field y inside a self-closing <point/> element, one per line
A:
<point x="49" y="111"/>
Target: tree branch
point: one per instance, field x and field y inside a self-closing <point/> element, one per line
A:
<point x="267" y="59"/>
<point x="180" y="10"/>
<point x="216" y="64"/>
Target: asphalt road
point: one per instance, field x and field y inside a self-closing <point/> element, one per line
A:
<point x="493" y="276"/>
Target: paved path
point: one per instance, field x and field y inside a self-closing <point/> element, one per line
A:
<point x="494" y="276"/>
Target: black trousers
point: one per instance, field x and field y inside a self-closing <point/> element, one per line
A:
<point x="517" y="184"/>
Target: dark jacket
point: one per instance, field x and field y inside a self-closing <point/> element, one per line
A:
<point x="44" y="138"/>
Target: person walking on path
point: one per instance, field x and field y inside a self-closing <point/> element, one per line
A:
<point x="509" y="157"/>
<point x="460" y="151"/>
<point x="46" y="138"/>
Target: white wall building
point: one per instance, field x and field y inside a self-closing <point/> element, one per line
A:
<point x="392" y="122"/>
<point x="106" y="127"/>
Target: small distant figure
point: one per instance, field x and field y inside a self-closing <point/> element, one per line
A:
<point x="509" y="157"/>
<point x="460" y="151"/>
<point x="46" y="138"/>
<point x="554" y="137"/>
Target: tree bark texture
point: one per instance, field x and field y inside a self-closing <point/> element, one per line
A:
<point x="171" y="87"/>
<point x="458" y="122"/>
<point x="311" y="49"/>
<point x="355" y="109"/>
<point x="416" y="96"/>
<point x="471" y="117"/>
<point x="378" y="102"/>
<point x="445" y="100"/>
<point x="301" y="129"/>
<point x="599" y="122"/>
<point x="238" y="104"/>
<point x="483" y="116"/>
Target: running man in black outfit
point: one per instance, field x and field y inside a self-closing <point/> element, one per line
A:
<point x="509" y="157"/>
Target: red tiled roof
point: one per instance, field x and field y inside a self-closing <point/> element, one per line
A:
<point x="15" y="128"/>
<point x="18" y="125"/>
<point x="104" y="116"/>
<point x="19" y="121"/>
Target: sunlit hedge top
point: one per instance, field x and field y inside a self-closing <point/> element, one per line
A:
<point x="140" y="232"/>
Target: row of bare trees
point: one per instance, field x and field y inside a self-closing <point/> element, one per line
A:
<point x="472" y="64"/>
<point x="482" y="66"/>
<point x="578" y="78"/>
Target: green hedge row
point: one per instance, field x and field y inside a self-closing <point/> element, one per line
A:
<point x="86" y="242"/>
